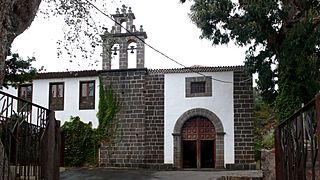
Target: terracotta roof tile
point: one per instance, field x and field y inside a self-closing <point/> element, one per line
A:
<point x="91" y="73"/>
<point x="196" y="69"/>
<point x="67" y="74"/>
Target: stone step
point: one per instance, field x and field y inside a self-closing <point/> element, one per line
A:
<point x="240" y="178"/>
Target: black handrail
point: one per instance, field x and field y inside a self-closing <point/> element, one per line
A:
<point x="297" y="144"/>
<point x="30" y="137"/>
<point x="23" y="100"/>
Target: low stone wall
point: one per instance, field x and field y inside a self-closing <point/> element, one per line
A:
<point x="239" y="178"/>
<point x="268" y="164"/>
<point x="247" y="166"/>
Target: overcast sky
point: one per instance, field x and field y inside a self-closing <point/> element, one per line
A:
<point x="168" y="27"/>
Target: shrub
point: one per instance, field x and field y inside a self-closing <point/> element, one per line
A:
<point x="81" y="143"/>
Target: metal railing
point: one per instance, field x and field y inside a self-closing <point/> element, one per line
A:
<point x="29" y="140"/>
<point x="297" y="144"/>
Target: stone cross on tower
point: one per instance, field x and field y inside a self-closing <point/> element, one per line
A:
<point x="123" y="39"/>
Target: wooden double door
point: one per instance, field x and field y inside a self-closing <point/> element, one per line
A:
<point x="198" y="143"/>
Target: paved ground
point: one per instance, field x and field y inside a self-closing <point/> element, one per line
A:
<point x="116" y="174"/>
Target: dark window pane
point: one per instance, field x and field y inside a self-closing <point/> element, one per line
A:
<point x="29" y="91"/>
<point x="87" y="95"/>
<point x="198" y="87"/>
<point x="91" y="89"/>
<point x="54" y="90"/>
<point x="24" y="92"/>
<point x="56" y="100"/>
<point x="60" y="90"/>
<point x="84" y="90"/>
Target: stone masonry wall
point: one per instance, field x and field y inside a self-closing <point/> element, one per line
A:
<point x="128" y="151"/>
<point x="243" y="122"/>
<point x="154" y="98"/>
<point x="139" y="141"/>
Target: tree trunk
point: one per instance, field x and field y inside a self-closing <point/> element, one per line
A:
<point x="15" y="17"/>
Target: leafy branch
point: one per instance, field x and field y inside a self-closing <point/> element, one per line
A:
<point x="18" y="70"/>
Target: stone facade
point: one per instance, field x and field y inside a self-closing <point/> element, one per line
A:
<point x="154" y="109"/>
<point x="127" y="150"/>
<point x="140" y="135"/>
<point x="243" y="121"/>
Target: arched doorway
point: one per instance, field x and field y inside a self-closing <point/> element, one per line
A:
<point x="218" y="140"/>
<point x="198" y="143"/>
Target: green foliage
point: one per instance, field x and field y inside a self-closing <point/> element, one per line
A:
<point x="81" y="140"/>
<point x="268" y="139"/>
<point x="109" y="106"/>
<point x="264" y="123"/>
<point x="81" y="143"/>
<point x="282" y="39"/>
<point x="18" y="71"/>
<point x="263" y="114"/>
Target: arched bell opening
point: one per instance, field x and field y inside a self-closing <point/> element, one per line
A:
<point x="123" y="23"/>
<point x="115" y="60"/>
<point x="132" y="54"/>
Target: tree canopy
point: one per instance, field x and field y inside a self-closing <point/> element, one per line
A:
<point x="18" y="70"/>
<point x="283" y="40"/>
<point x="17" y="15"/>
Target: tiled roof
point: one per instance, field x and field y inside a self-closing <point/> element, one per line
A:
<point x="196" y="69"/>
<point x="67" y="74"/>
<point x="91" y="73"/>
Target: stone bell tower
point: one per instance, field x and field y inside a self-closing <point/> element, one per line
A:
<point x="123" y="37"/>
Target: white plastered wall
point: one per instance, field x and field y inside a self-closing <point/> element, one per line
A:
<point x="220" y="103"/>
<point x="40" y="96"/>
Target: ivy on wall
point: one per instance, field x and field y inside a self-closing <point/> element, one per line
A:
<point x="109" y="106"/>
<point x="82" y="141"/>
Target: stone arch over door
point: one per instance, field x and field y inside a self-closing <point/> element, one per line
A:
<point x="177" y="142"/>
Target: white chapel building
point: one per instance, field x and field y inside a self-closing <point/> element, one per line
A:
<point x="197" y="117"/>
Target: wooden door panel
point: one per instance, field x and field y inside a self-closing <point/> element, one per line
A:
<point x="198" y="128"/>
<point x="198" y="140"/>
<point x="207" y="153"/>
<point x="189" y="154"/>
